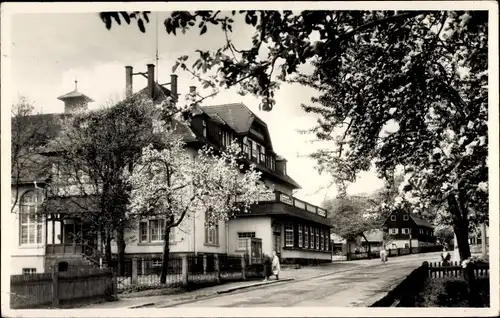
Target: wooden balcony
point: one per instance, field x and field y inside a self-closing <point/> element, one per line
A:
<point x="289" y="200"/>
<point x="283" y="204"/>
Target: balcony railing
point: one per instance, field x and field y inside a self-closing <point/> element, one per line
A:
<point x="290" y="200"/>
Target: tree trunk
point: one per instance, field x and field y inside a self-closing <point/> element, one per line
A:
<point x="369" y="246"/>
<point x="460" y="226"/>
<point x="166" y="252"/>
<point x="120" y="241"/>
<point x="108" y="248"/>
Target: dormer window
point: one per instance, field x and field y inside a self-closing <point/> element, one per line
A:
<point x="393" y="218"/>
<point x="405" y="217"/>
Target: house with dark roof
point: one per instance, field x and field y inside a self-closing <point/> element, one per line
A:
<point x="407" y="230"/>
<point x="296" y="230"/>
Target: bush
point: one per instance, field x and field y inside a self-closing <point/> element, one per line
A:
<point x="452" y="292"/>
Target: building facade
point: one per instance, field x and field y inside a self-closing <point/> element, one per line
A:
<point x="407" y="230"/>
<point x="296" y="230"/>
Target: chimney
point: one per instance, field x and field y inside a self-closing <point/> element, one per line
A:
<point x="128" y="81"/>
<point x="151" y="80"/>
<point x="192" y="90"/>
<point x="173" y="86"/>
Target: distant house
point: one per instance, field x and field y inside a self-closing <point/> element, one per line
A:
<point x="370" y="241"/>
<point x="407" y="230"/>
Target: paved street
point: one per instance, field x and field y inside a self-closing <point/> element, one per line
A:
<point x="355" y="286"/>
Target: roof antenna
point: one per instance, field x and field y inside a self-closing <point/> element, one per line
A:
<point x="156" y="61"/>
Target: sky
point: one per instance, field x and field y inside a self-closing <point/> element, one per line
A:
<point x="50" y="51"/>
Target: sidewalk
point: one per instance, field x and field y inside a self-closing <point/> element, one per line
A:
<point x="286" y="275"/>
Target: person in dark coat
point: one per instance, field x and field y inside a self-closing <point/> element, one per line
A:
<point x="267" y="267"/>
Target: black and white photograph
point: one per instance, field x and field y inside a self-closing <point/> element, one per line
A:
<point x="242" y="158"/>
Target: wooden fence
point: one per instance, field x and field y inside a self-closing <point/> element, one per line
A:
<point x="394" y="252"/>
<point x="61" y="288"/>
<point x="454" y="269"/>
<point x="406" y="292"/>
<point x="189" y="271"/>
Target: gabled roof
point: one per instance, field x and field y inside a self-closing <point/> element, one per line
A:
<point x="420" y="221"/>
<point x="236" y="115"/>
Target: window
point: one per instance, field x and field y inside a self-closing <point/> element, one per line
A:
<point x="28" y="271"/>
<point x="246" y="146"/>
<point x="327" y="241"/>
<point x="322" y="241"/>
<point x="289" y="234"/>
<point x="153" y="231"/>
<point x="204" y="128"/>
<point x="255" y="150"/>
<point x="317" y="239"/>
<point x="156" y="228"/>
<point x="311" y="240"/>
<point x="30" y="221"/>
<point x="143" y="232"/>
<point x="393" y="218"/>
<point x="246" y="234"/>
<point x="405" y="217"/>
<point x="306" y="236"/>
<point x="273" y="163"/>
<point x="226" y="138"/>
<point x="393" y="231"/>
<point x="211" y="231"/>
<point x="300" y="235"/>
<point x="262" y="154"/>
<point x="242" y="239"/>
<point x="405" y="231"/>
<point x="156" y="263"/>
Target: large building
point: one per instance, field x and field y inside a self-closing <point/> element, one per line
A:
<point x="296" y="230"/>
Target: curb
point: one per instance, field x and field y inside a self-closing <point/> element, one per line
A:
<point x="253" y="285"/>
<point x="141" y="305"/>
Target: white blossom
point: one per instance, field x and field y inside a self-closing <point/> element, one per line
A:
<point x="169" y="184"/>
<point x="482" y="186"/>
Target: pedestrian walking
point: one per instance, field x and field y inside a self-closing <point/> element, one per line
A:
<point x="383" y="255"/>
<point x="276" y="265"/>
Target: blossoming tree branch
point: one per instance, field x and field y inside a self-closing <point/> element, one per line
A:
<point x="170" y="184"/>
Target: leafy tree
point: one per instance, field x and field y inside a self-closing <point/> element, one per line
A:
<point x="348" y="216"/>
<point x="401" y="89"/>
<point x="444" y="235"/>
<point x="28" y="136"/>
<point x="92" y="154"/>
<point x="168" y="184"/>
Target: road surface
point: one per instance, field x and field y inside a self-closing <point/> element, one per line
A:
<point x="356" y="286"/>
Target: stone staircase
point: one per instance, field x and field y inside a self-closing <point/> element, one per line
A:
<point x="75" y="261"/>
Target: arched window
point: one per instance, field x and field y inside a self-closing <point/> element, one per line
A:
<point x="30" y="220"/>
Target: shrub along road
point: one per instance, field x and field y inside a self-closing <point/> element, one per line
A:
<point x="359" y="285"/>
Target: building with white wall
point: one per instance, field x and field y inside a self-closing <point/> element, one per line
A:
<point x="297" y="231"/>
